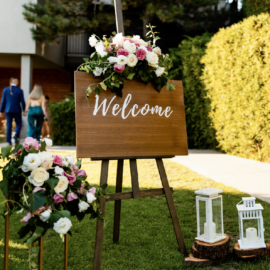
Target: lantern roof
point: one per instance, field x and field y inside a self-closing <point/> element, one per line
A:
<point x="208" y="191"/>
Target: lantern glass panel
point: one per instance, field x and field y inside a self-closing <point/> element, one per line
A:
<point x="217" y="216"/>
<point x="202" y="214"/>
<point x="251" y="231"/>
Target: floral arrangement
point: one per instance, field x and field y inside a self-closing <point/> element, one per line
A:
<point x="119" y="58"/>
<point x="48" y="188"/>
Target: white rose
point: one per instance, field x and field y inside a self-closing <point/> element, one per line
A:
<point x="153" y="65"/>
<point x="130" y="47"/>
<point x="136" y="38"/>
<point x="132" y="60"/>
<point x="90" y="197"/>
<point x="25" y="168"/>
<point x="31" y="161"/>
<point x="100" y="49"/>
<point x="143" y="48"/>
<point x="122" y="60"/>
<point x="62" y="226"/>
<point x="143" y="43"/>
<point x="46" y="159"/>
<point x="112" y="59"/>
<point x="48" y="142"/>
<point x="118" y="40"/>
<point x="69" y="159"/>
<point x="58" y="170"/>
<point x="83" y="206"/>
<point x="38" y="176"/>
<point x="93" y="41"/>
<point x="157" y="50"/>
<point x="62" y="184"/>
<point x="97" y="71"/>
<point x="152" y="58"/>
<point x="44" y="216"/>
<point x="159" y="71"/>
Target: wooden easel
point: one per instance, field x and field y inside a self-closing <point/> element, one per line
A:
<point x="135" y="194"/>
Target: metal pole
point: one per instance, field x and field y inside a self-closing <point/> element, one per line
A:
<point x="119" y="16"/>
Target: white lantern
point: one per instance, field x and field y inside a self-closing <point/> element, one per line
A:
<point x="209" y="215"/>
<point x="251" y="228"/>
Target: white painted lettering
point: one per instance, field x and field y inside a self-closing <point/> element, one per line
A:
<point x="168" y="110"/>
<point x="104" y="110"/>
<point x="146" y="108"/>
<point x="126" y="102"/>
<point x="115" y="107"/>
<point x="135" y="106"/>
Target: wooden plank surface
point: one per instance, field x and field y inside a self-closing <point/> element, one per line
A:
<point x="134" y="178"/>
<point x="116" y="158"/>
<point x="175" y="221"/>
<point x="111" y="135"/>
<point x="117" y="205"/>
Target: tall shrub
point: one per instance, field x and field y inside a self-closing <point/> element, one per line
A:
<point x="63" y="122"/>
<point x="237" y="78"/>
<point x="186" y="64"/>
<point x="255" y="7"/>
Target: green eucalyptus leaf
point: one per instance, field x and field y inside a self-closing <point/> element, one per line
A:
<point x="5" y="151"/>
<point x="103" y="85"/>
<point x="130" y="76"/>
<point x="43" y="146"/>
<point x="38" y="232"/>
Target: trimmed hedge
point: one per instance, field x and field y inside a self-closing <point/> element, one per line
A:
<point x="255" y="7"/>
<point x="186" y="64"/>
<point x="63" y="122"/>
<point x="237" y="78"/>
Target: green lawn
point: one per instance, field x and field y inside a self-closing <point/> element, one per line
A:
<point x="147" y="239"/>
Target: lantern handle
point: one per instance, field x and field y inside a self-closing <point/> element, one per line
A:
<point x="209" y="179"/>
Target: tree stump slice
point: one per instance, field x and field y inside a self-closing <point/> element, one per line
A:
<point x="218" y="247"/>
<point x="190" y="260"/>
<point x="252" y="252"/>
<point x="217" y="255"/>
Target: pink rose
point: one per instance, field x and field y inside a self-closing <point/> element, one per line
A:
<point x="119" y="68"/>
<point x="140" y="54"/>
<point x="71" y="177"/>
<point x="92" y="190"/>
<point x="31" y="143"/>
<point x="57" y="198"/>
<point x="58" y="160"/>
<point x="81" y="190"/>
<point x="18" y="153"/>
<point x="149" y="48"/>
<point x="75" y="168"/>
<point x="137" y="44"/>
<point x="122" y="52"/>
<point x="82" y="173"/>
<point x="71" y="197"/>
<point x="26" y="218"/>
<point x="36" y="189"/>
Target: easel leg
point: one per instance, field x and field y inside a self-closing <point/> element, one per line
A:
<point x="66" y="252"/>
<point x="6" y="248"/>
<point x="117" y="205"/>
<point x="40" y="256"/>
<point x="134" y="178"/>
<point x="166" y="187"/>
<point x="99" y="229"/>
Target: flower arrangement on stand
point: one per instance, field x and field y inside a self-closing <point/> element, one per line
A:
<point x="119" y="58"/>
<point x="48" y="188"/>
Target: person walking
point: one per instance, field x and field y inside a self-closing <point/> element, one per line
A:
<point x="13" y="104"/>
<point x="35" y="108"/>
<point x="46" y="124"/>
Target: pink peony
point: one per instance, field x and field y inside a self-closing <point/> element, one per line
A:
<point x="81" y="190"/>
<point x="58" y="160"/>
<point x="31" y="143"/>
<point x="92" y="190"/>
<point x="57" y="198"/>
<point x="119" y="68"/>
<point x="71" y="177"/>
<point x="82" y="173"/>
<point x="122" y="52"/>
<point x="26" y="218"/>
<point x="149" y="48"/>
<point x="140" y="54"/>
<point x="71" y="197"/>
<point x="18" y="153"/>
<point x="36" y="189"/>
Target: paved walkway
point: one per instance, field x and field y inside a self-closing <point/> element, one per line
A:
<point x="249" y="176"/>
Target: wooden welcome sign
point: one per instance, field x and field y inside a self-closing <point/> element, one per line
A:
<point x="142" y="123"/>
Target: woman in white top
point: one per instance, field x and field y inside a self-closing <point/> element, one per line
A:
<point x="36" y="110"/>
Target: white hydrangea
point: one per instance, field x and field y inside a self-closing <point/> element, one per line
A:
<point x="118" y="40"/>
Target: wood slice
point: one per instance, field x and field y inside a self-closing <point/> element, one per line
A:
<point x="217" y="255"/>
<point x="247" y="253"/>
<point x="190" y="260"/>
<point x="218" y="247"/>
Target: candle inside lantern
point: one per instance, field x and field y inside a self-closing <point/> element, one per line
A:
<point x="251" y="234"/>
<point x="213" y="228"/>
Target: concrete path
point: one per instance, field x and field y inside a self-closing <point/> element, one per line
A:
<point x="249" y="176"/>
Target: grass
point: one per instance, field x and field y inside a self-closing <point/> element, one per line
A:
<point x="147" y="239"/>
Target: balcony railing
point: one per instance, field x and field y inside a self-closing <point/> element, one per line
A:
<point x="78" y="45"/>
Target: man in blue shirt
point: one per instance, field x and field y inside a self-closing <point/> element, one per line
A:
<point x="13" y="104"/>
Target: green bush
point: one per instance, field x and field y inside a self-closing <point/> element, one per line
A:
<point x="63" y="122"/>
<point x="186" y="64"/>
<point x="237" y="78"/>
<point x="255" y="7"/>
